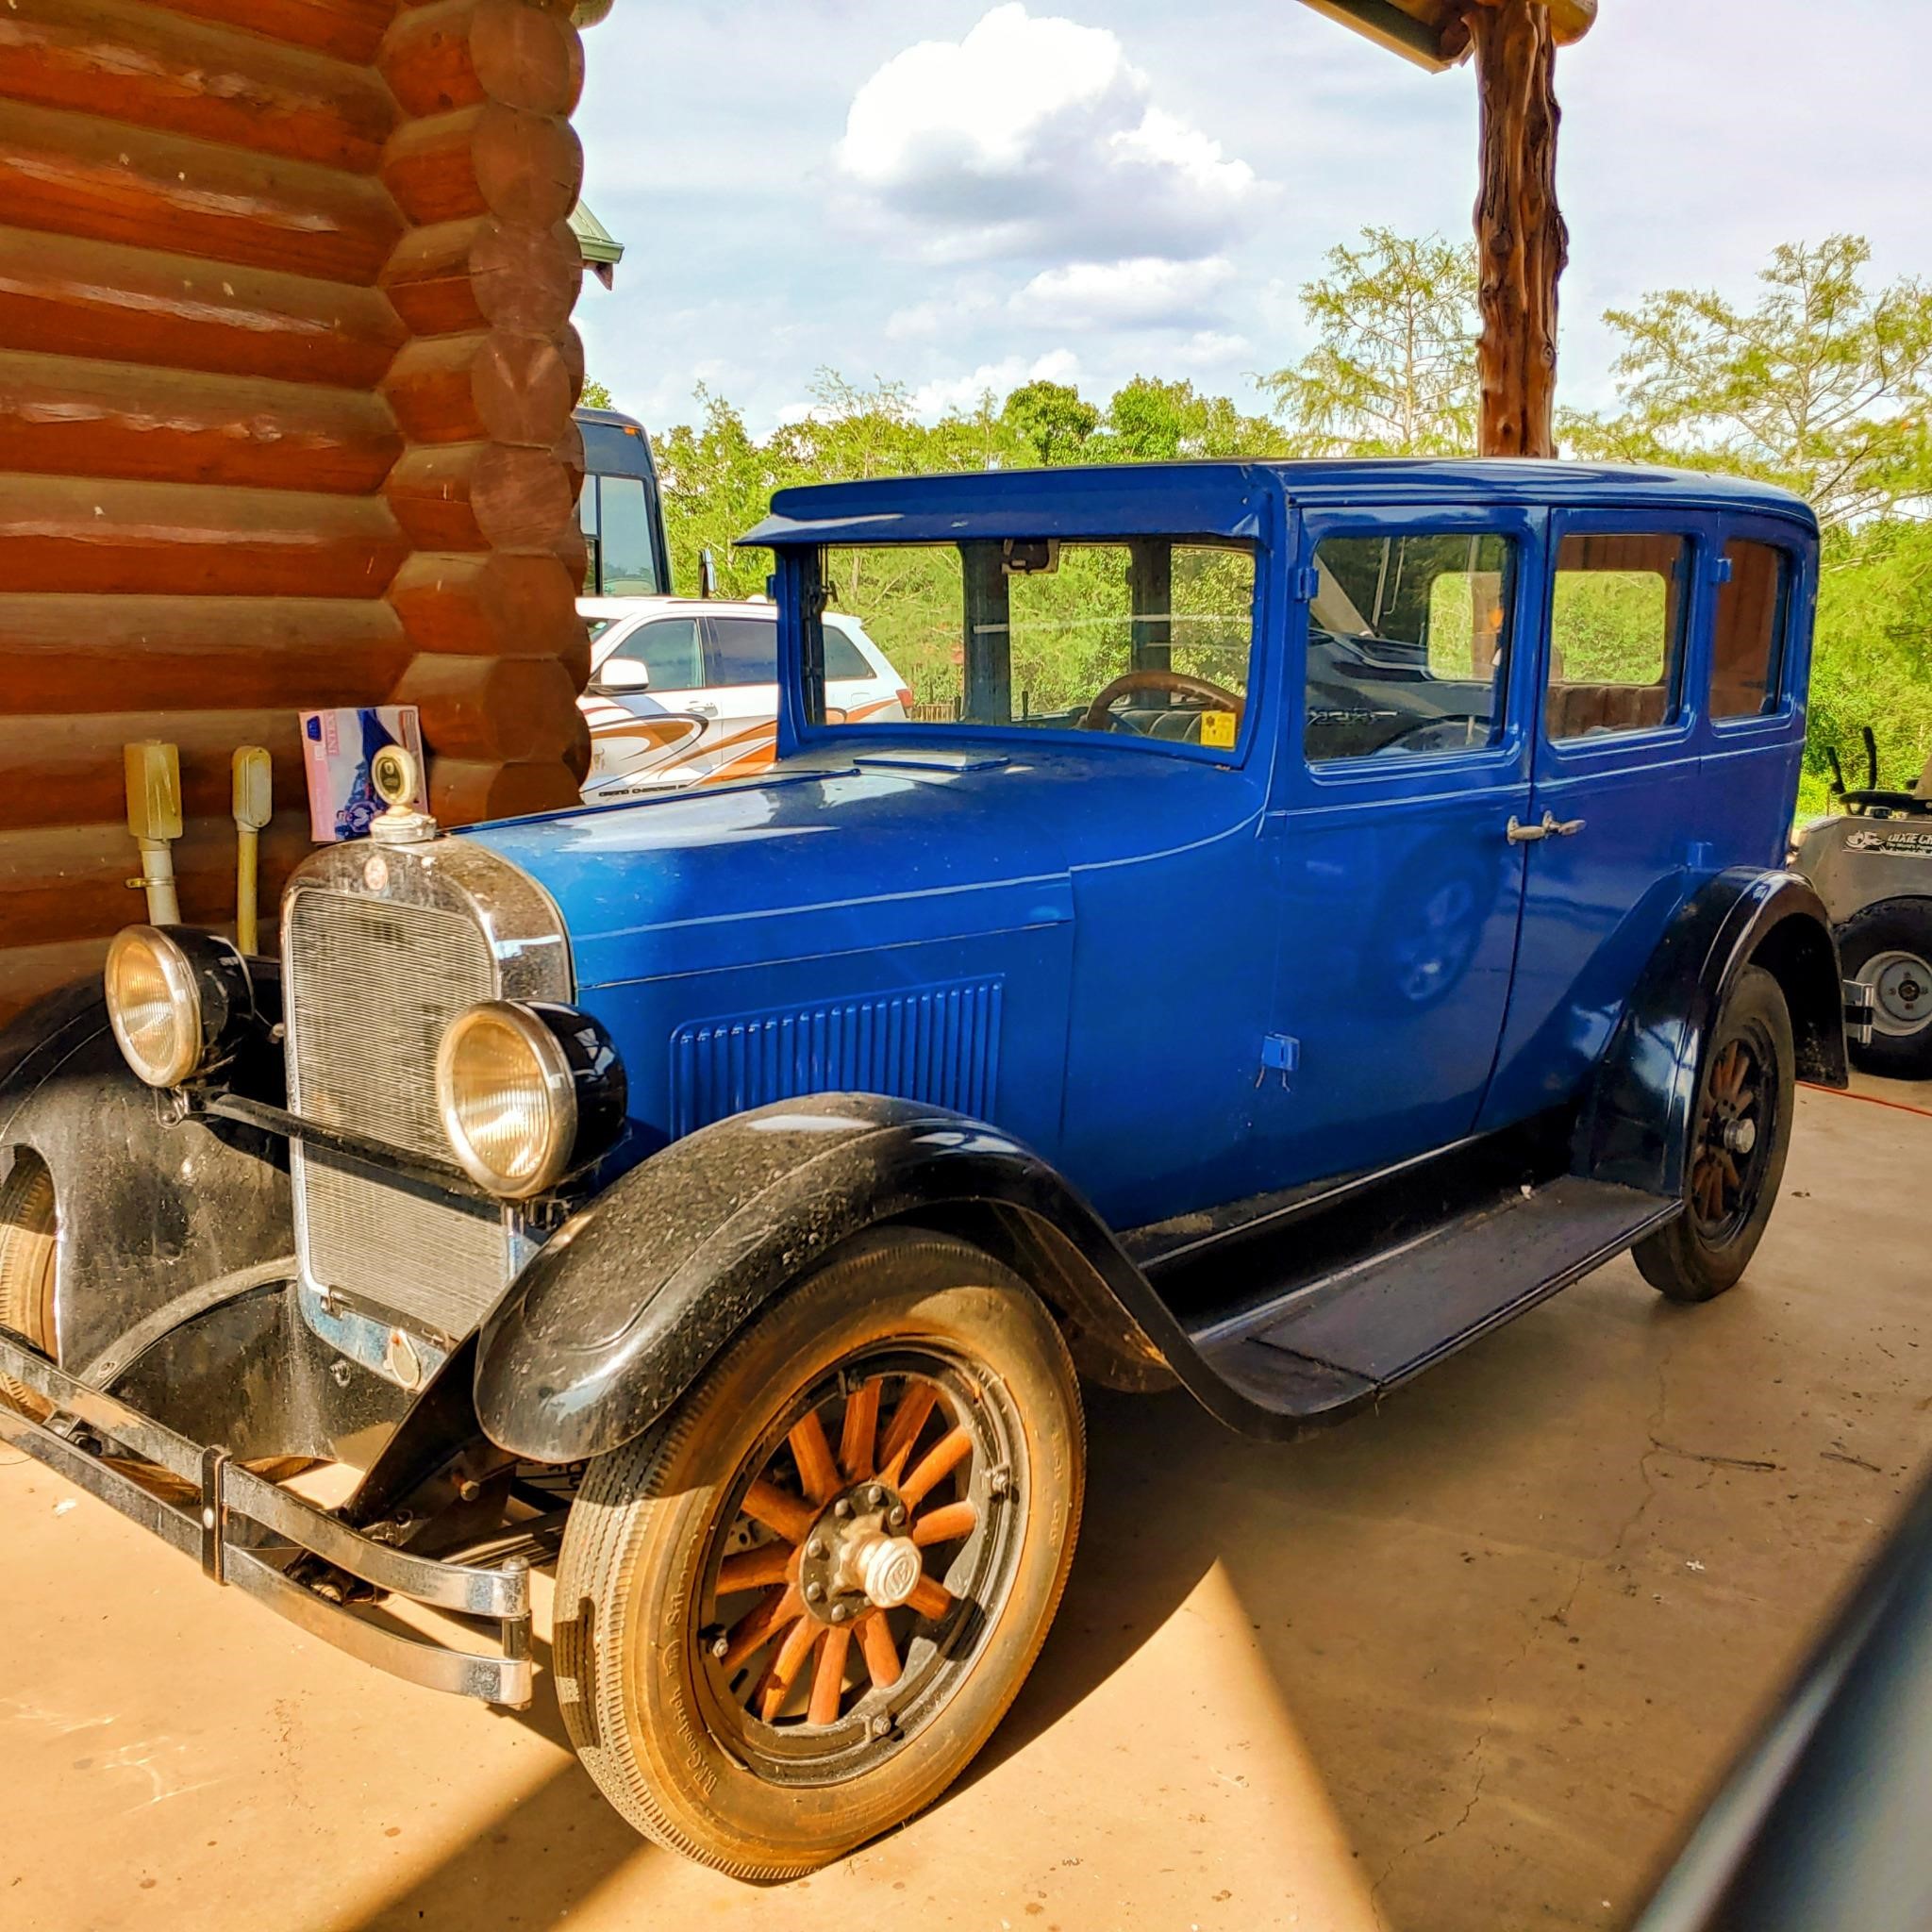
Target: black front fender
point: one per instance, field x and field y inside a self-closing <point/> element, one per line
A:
<point x="1635" y="1126"/>
<point x="626" y="1305"/>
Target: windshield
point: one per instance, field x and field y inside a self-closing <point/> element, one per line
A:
<point x="1150" y="637"/>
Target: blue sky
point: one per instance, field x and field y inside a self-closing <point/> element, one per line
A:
<point x="961" y="196"/>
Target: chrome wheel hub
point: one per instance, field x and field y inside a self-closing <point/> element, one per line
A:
<point x="857" y="1557"/>
<point x="1901" y="984"/>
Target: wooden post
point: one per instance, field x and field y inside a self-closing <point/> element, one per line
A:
<point x="1522" y="243"/>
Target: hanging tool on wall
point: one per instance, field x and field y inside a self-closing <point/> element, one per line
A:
<point x="154" y="816"/>
<point x="254" y="802"/>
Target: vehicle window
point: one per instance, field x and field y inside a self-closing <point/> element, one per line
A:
<point x="1150" y="637"/>
<point x="1616" y="628"/>
<point x="668" y="650"/>
<point x="1407" y="643"/>
<point x="844" y="658"/>
<point x="626" y="560"/>
<point x="1747" y="643"/>
<point x="744" y="650"/>
<point x="596" y="626"/>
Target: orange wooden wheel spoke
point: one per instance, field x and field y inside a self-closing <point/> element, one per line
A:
<point x="816" y="1469"/>
<point x="939" y="1461"/>
<point x="786" y="1667"/>
<point x="881" y="1654"/>
<point x="828" y="1678"/>
<point x="930" y="1599"/>
<point x="860" y="1435"/>
<point x="772" y="1506"/>
<point x="945" y="1525"/>
<point x="754" y="1628"/>
<point x="753" y="1568"/>
<point x="908" y="1420"/>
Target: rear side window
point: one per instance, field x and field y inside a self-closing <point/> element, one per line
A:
<point x="1616" y="632"/>
<point x="843" y="659"/>
<point x="744" y="650"/>
<point x="1407" y="644"/>
<point x="1748" y="638"/>
<point x="668" y="650"/>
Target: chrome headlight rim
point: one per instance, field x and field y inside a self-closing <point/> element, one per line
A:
<point x="554" y="1153"/>
<point x="207" y="983"/>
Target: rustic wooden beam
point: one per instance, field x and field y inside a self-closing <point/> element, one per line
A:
<point x="348" y="29"/>
<point x="1522" y="243"/>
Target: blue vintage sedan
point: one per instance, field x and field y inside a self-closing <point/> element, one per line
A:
<point x="1307" y="914"/>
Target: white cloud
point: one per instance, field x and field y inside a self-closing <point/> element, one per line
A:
<point x="1037" y="136"/>
<point x="945" y="393"/>
<point x="1145" y="292"/>
<point x="1210" y="348"/>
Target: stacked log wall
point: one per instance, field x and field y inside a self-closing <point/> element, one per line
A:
<point x="286" y="379"/>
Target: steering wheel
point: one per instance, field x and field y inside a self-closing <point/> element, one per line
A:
<point x="1176" y="682"/>
<point x="1907" y="804"/>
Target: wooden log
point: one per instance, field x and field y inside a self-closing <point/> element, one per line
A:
<point x="458" y="53"/>
<point x="70" y="882"/>
<point x="82" y="653"/>
<point x="520" y="709"/>
<point x="462" y="791"/>
<point x="523" y="168"/>
<point x="485" y="274"/>
<point x="1522" y="242"/>
<point x="76" y="175"/>
<point x="348" y="29"/>
<point x="60" y="533"/>
<point x="130" y="63"/>
<point x="62" y="416"/>
<point x="27" y="973"/>
<point x="482" y="495"/>
<point x="67" y="296"/>
<point x="492" y="386"/>
<point x="69" y="771"/>
<point x="508" y="603"/>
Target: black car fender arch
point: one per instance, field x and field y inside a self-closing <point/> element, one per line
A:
<point x="628" y="1303"/>
<point x="1634" y="1123"/>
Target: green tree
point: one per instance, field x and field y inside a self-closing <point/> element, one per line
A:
<point x="1150" y="420"/>
<point x="1053" y="418"/>
<point x="1822" y="386"/>
<point x="595" y="396"/>
<point x="1394" y="371"/>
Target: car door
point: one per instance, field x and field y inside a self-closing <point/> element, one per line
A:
<point x="1616" y="830"/>
<point x="1398" y="887"/>
<point x="741" y="671"/>
<point x="643" y="706"/>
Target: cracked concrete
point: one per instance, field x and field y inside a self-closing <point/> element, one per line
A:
<point x="1477" y="1655"/>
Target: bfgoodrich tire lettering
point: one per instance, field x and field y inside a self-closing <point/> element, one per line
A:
<point x="727" y="1768"/>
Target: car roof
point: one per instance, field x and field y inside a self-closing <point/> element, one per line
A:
<point x="676" y="607"/>
<point x="1214" y="497"/>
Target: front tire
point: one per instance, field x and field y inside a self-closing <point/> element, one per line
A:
<point x="1740" y="1136"/>
<point x="1887" y="947"/>
<point x="909" y="1411"/>
<point x="29" y="1226"/>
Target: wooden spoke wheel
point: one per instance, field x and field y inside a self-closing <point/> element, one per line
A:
<point x="1738" y="1144"/>
<point x="28" y="1230"/>
<point x="788" y="1617"/>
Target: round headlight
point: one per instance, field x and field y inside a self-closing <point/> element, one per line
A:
<point x="508" y="1098"/>
<point x="154" y="1005"/>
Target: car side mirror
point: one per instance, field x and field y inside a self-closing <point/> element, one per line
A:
<point x="623" y="674"/>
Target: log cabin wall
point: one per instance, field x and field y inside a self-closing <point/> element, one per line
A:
<point x="286" y="378"/>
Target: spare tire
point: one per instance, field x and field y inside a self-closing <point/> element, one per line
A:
<point x="1887" y="947"/>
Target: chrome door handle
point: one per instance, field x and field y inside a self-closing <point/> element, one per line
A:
<point x="1552" y="828"/>
<point x="1561" y="829"/>
<point x="709" y="711"/>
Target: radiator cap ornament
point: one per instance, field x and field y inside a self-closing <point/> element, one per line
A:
<point x="397" y="782"/>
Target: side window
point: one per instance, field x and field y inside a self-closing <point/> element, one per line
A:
<point x="744" y="650"/>
<point x="667" y="650"/>
<point x="1748" y="637"/>
<point x="843" y="659"/>
<point x="626" y="558"/>
<point x="1409" y="644"/>
<point x="1616" y="632"/>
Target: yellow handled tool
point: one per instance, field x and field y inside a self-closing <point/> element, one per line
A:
<point x="154" y="816"/>
<point x="254" y="802"/>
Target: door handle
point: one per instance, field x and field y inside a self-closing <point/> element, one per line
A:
<point x="711" y="711"/>
<point x="1550" y="827"/>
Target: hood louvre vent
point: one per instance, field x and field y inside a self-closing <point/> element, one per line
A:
<point x="939" y="1045"/>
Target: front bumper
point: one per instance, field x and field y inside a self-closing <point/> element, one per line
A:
<point x="246" y="1532"/>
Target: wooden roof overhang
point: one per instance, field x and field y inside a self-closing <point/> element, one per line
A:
<point x="1435" y="33"/>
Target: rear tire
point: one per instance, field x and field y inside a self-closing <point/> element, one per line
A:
<point x="770" y="1718"/>
<point x="1740" y="1136"/>
<point x="1887" y="947"/>
<point x="28" y="1228"/>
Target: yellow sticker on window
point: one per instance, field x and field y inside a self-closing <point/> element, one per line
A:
<point x="1217" y="729"/>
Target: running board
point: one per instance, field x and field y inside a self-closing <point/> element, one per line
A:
<point x="1320" y="1348"/>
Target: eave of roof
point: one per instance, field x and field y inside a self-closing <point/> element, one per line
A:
<point x="1433" y="33"/>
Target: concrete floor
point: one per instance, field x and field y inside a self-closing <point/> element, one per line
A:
<point x="1464" y="1663"/>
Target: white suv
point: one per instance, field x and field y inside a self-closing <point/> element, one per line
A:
<point x="686" y="689"/>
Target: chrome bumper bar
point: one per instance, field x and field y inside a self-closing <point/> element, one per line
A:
<point x="231" y="1498"/>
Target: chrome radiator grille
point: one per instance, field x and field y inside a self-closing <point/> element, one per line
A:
<point x="370" y="986"/>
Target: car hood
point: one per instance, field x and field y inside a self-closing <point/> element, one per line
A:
<point x="827" y="857"/>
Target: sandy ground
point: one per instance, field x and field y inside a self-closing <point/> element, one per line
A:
<point x="1462" y="1664"/>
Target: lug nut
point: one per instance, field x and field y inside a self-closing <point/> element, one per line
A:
<point x="876" y="1495"/>
<point x="840" y="1611"/>
<point x="814" y="1592"/>
<point x="721" y="1648"/>
<point x="881" y="1725"/>
<point x="1000" y="1482"/>
<point x="816" y="1549"/>
<point x="896" y="1516"/>
<point x="843" y="1508"/>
